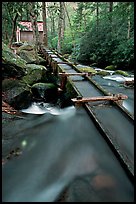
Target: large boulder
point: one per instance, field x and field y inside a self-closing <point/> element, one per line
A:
<point x="12" y="65"/>
<point x="45" y="91"/>
<point x="35" y="73"/>
<point x="27" y="53"/>
<point x="16" y="94"/>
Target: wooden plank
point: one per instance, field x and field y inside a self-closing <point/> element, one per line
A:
<point x="76" y="74"/>
<point x="99" y="98"/>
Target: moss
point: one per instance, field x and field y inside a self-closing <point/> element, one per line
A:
<point x="47" y="91"/>
<point x="10" y="58"/>
<point x="87" y="69"/>
<point x="103" y="73"/>
<point x="110" y="67"/>
<point x="26" y="47"/>
<point x="121" y="72"/>
<point x="43" y="85"/>
<point x="34" y="73"/>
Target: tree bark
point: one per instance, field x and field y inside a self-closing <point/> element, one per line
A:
<point x="70" y="25"/>
<point x="61" y="27"/>
<point x="97" y="16"/>
<point x="110" y="10"/>
<point x="33" y="18"/>
<point x="129" y="24"/>
<point x="45" y="39"/>
<point x="13" y="30"/>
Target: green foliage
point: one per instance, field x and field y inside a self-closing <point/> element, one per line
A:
<point x="123" y="55"/>
<point x="107" y="41"/>
<point x="53" y="42"/>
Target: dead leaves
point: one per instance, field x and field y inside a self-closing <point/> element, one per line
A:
<point x="8" y="109"/>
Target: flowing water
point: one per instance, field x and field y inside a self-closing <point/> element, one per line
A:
<point x="59" y="149"/>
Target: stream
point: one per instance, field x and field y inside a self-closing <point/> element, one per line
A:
<point x="52" y="150"/>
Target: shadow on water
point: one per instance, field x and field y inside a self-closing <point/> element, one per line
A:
<point x="59" y="149"/>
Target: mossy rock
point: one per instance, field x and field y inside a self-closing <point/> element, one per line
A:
<point x="121" y="72"/>
<point x="46" y="91"/>
<point x="29" y="57"/>
<point x="102" y="73"/>
<point x="34" y="74"/>
<point x="87" y="69"/>
<point x="13" y="65"/>
<point x="9" y="57"/>
<point x="110" y="67"/>
<point x="10" y="83"/>
<point x="26" y="46"/>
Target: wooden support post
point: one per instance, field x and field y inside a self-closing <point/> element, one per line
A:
<point x="63" y="81"/>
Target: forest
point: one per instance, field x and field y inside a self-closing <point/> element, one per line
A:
<point x="93" y="33"/>
<point x="68" y="101"/>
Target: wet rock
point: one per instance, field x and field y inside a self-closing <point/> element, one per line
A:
<point x="16" y="94"/>
<point x="46" y="91"/>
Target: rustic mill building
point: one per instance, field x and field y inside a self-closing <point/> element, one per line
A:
<point x="26" y="33"/>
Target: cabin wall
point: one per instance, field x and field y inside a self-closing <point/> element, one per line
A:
<point x="28" y="36"/>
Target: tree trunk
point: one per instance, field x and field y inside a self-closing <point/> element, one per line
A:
<point x="13" y="30"/>
<point x="110" y="10"/>
<point x="33" y="18"/>
<point x="45" y="40"/>
<point x="80" y="13"/>
<point x="61" y="27"/>
<point x="70" y="25"/>
<point x="129" y="25"/>
<point x="97" y="16"/>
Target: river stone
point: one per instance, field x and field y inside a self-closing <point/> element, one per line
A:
<point x="46" y="91"/>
